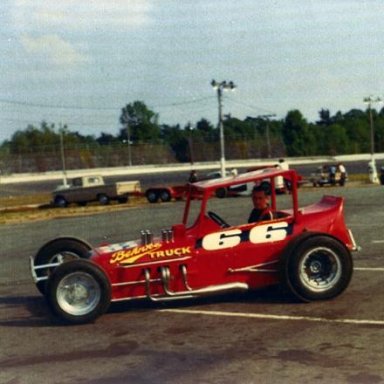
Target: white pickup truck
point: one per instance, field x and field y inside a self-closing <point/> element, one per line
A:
<point x="82" y="190"/>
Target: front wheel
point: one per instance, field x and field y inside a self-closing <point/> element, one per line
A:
<point x="54" y="253"/>
<point x="78" y="292"/>
<point x="317" y="269"/>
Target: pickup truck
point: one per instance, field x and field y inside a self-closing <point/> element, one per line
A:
<point x="82" y="190"/>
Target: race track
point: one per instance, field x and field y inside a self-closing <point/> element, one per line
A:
<point x="249" y="338"/>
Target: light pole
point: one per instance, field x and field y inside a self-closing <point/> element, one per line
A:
<point x="220" y="87"/>
<point x="129" y="144"/>
<point x="267" y="117"/>
<point x="189" y="128"/>
<point x="372" y="164"/>
<point x="62" y="130"/>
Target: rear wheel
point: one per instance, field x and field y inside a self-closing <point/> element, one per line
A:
<point x="103" y="199"/>
<point x="60" y="202"/>
<point x="57" y="252"/>
<point x="319" y="268"/>
<point x="122" y="200"/>
<point x="165" y="196"/>
<point x="221" y="193"/>
<point x="152" y="196"/>
<point x="78" y="292"/>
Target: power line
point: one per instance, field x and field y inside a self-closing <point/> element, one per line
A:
<point x="51" y="106"/>
<point x="253" y="107"/>
<point x="88" y="124"/>
<point x="77" y="107"/>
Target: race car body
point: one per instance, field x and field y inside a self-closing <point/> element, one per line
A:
<point x="306" y="250"/>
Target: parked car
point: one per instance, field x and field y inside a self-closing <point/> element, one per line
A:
<point x="306" y="250"/>
<point x="82" y="190"/>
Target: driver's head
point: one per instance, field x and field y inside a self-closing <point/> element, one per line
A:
<point x="260" y="197"/>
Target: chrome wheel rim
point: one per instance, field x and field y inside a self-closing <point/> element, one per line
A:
<point x="320" y="269"/>
<point x="78" y="293"/>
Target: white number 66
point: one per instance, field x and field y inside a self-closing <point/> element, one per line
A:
<point x="260" y="234"/>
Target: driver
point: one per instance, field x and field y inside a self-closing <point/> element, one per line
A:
<point x="261" y="210"/>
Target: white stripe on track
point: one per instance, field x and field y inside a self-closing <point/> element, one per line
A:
<point x="274" y="317"/>
<point x="370" y="269"/>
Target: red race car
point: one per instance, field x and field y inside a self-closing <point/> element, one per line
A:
<point x="307" y="250"/>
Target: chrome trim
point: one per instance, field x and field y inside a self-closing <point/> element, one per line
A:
<point x="183" y="269"/>
<point x="255" y="268"/>
<point x="170" y="295"/>
<point x="128" y="298"/>
<point x="136" y="282"/>
<point x="34" y="268"/>
<point x="160" y="298"/>
<point x="150" y="263"/>
<point x="355" y="247"/>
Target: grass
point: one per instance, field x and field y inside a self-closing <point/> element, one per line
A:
<point x="37" y="207"/>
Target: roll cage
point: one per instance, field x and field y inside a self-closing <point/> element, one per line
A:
<point x="204" y="190"/>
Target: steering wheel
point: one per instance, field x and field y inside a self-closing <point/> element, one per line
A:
<point x="217" y="219"/>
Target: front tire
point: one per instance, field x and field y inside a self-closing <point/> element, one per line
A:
<point x="319" y="268"/>
<point x="58" y="251"/>
<point x="78" y="292"/>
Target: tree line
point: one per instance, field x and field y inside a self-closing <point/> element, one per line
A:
<point x="142" y="140"/>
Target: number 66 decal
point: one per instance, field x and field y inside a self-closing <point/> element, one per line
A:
<point x="265" y="233"/>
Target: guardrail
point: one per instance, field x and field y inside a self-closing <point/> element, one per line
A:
<point x="167" y="168"/>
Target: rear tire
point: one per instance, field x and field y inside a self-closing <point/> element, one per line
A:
<point x="165" y="196"/>
<point x="56" y="251"/>
<point x="60" y="202"/>
<point x="319" y="268"/>
<point x="152" y="196"/>
<point x="122" y="200"/>
<point x="103" y="199"/>
<point x="221" y="193"/>
<point x="78" y="292"/>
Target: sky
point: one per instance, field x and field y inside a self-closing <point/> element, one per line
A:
<point x="78" y="62"/>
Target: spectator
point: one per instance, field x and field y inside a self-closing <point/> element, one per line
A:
<point x="343" y="173"/>
<point x="192" y="177"/>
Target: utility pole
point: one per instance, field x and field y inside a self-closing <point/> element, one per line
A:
<point x="372" y="164"/>
<point x="189" y="128"/>
<point x="267" y="117"/>
<point x="61" y="130"/>
<point x="129" y="144"/>
<point x="220" y="87"/>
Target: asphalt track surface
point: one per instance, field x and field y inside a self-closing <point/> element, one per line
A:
<point x="243" y="338"/>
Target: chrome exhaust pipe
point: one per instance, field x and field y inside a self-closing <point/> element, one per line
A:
<point x="189" y="293"/>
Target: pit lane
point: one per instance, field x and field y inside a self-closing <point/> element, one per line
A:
<point x="249" y="338"/>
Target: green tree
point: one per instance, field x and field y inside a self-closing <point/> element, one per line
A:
<point x="298" y="138"/>
<point x="141" y="122"/>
